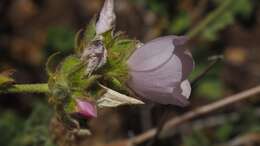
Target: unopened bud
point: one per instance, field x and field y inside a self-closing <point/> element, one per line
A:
<point x="107" y="18"/>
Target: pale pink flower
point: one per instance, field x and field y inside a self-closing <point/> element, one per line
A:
<point x="159" y="70"/>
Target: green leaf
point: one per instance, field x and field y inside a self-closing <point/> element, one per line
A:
<point x="88" y="36"/>
<point x="108" y="39"/>
<point x="70" y="106"/>
<point x="70" y="65"/>
<point x="90" y="31"/>
<point x="124" y="48"/>
<point x="52" y="63"/>
<point x="78" y="45"/>
<point x="119" y="49"/>
<point x="59" y="82"/>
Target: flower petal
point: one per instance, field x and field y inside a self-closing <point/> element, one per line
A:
<point x="180" y="40"/>
<point x="158" y="71"/>
<point x="186" y="89"/>
<point x="159" y="83"/>
<point x="186" y="61"/>
<point x="152" y="54"/>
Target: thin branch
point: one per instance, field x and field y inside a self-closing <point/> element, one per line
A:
<point x="174" y="122"/>
<point x="26" y="88"/>
<point x="213" y="121"/>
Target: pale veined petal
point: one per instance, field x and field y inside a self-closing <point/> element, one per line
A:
<point x="159" y="74"/>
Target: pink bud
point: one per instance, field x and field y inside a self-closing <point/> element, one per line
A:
<point x="86" y="109"/>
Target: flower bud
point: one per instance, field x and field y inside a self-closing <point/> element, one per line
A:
<point x="107" y="18"/>
<point x="95" y="55"/>
<point x="86" y="109"/>
<point x="159" y="70"/>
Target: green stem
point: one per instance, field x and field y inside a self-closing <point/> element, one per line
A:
<point x="211" y="18"/>
<point x="26" y="88"/>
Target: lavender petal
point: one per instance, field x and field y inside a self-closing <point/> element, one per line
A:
<point x="158" y="71"/>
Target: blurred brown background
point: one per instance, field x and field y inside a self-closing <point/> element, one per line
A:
<point x="31" y="30"/>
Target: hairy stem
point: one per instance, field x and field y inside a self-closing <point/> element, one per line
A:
<point x="26" y="88"/>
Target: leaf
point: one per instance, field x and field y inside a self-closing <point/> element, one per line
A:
<point x="108" y="39"/>
<point x="59" y="81"/>
<point x="80" y="83"/>
<point x="70" y="106"/>
<point x="124" y="48"/>
<point x="78" y="46"/>
<point x="90" y="31"/>
<point x="119" y="49"/>
<point x="52" y="63"/>
<point x="70" y="65"/>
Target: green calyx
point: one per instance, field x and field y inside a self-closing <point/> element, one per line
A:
<point x="67" y="77"/>
<point x="115" y="72"/>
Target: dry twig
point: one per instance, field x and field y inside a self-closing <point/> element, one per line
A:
<point x="247" y="139"/>
<point x="174" y="122"/>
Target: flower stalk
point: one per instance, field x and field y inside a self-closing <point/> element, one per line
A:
<point x="26" y="88"/>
